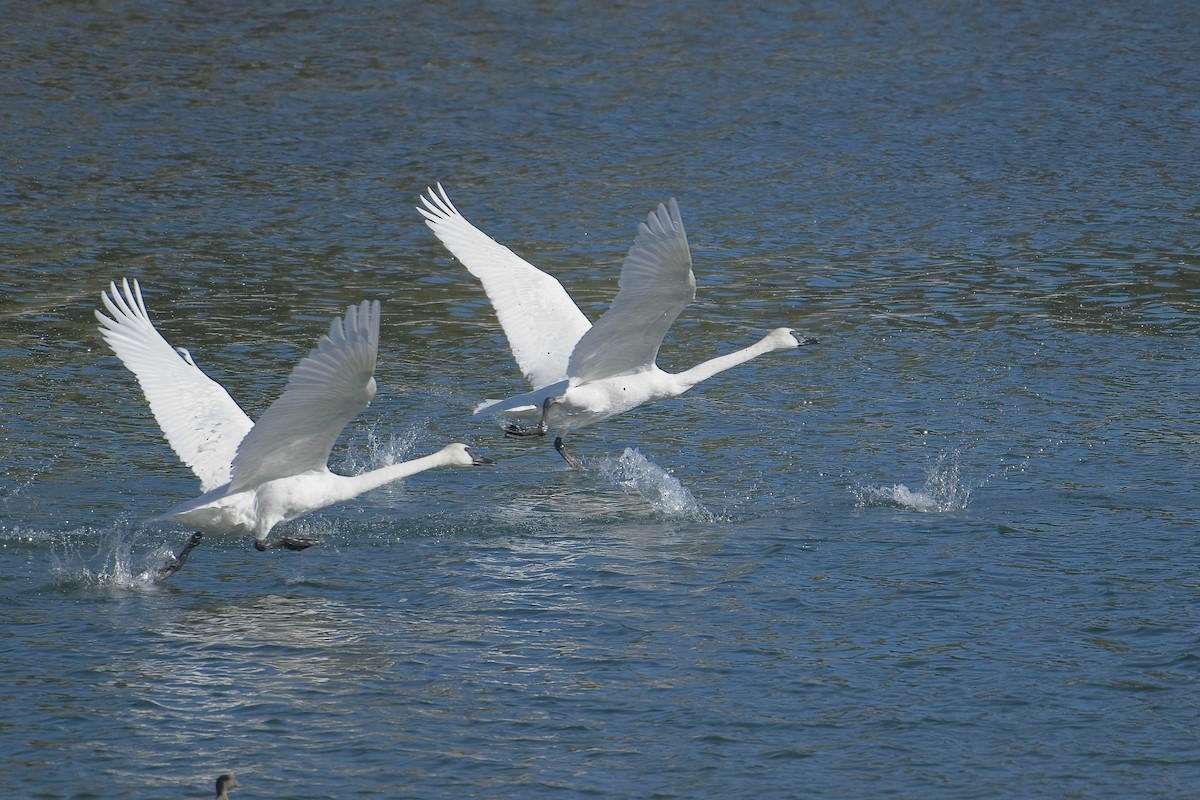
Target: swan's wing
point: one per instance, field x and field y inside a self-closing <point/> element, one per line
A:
<point x="656" y="284"/>
<point x="328" y="388"/>
<point x="197" y="416"/>
<point x="539" y="318"/>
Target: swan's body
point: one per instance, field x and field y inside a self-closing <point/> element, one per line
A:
<point x="259" y="509"/>
<point x="583" y="373"/>
<point x="255" y="476"/>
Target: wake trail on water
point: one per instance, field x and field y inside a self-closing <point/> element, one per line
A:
<point x="943" y="491"/>
<point x="634" y="473"/>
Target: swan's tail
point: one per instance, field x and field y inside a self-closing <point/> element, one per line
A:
<point x="486" y="408"/>
<point x="523" y="403"/>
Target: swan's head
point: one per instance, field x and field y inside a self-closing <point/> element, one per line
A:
<point x="459" y="455"/>
<point x="787" y="337"/>
<point x="225" y="783"/>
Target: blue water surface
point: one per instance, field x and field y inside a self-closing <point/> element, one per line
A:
<point x="951" y="551"/>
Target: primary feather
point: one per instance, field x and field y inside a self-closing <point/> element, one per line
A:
<point x="539" y="318"/>
<point x="328" y="388"/>
<point x="198" y="418"/>
<point x="656" y="284"/>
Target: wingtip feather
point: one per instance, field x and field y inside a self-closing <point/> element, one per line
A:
<point x="437" y="205"/>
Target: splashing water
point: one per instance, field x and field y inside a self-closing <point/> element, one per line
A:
<point x="943" y="490"/>
<point x="113" y="564"/>
<point x="378" y="451"/>
<point x="634" y="472"/>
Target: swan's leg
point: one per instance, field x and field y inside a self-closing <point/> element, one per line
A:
<point x="175" y="564"/>
<point x="567" y="457"/>
<point x="290" y="542"/>
<point x="525" y="431"/>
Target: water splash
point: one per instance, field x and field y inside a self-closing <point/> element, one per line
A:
<point x="113" y="564"/>
<point x="633" y="472"/>
<point x="379" y="451"/>
<point x="943" y="490"/>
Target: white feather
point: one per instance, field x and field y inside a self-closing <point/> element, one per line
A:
<point x="197" y="416"/>
<point x="539" y="318"/>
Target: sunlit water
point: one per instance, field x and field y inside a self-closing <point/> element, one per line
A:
<point x="949" y="552"/>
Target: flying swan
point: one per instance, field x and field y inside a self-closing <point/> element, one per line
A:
<point x="583" y="373"/>
<point x="255" y="476"/>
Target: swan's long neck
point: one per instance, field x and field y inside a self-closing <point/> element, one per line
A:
<point x="354" y="485"/>
<point x="705" y="370"/>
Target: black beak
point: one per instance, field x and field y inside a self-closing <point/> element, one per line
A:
<point x="481" y="461"/>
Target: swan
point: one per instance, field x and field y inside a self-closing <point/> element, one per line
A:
<point x="583" y="373"/>
<point x="255" y="476"/>
<point x="224" y="784"/>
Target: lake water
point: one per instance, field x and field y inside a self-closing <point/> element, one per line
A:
<point x="952" y="551"/>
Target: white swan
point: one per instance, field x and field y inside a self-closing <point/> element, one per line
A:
<point x="255" y="476"/>
<point x="224" y="784"/>
<point x="583" y="373"/>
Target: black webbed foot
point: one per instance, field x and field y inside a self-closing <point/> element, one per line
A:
<point x="175" y="564"/>
<point x="296" y="543"/>
<point x="525" y="431"/>
<point x="515" y="431"/>
<point x="288" y="542"/>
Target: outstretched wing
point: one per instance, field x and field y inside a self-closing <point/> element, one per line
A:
<point x="539" y="318"/>
<point x="656" y="284"/>
<point x="197" y="416"/>
<point x="328" y="388"/>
